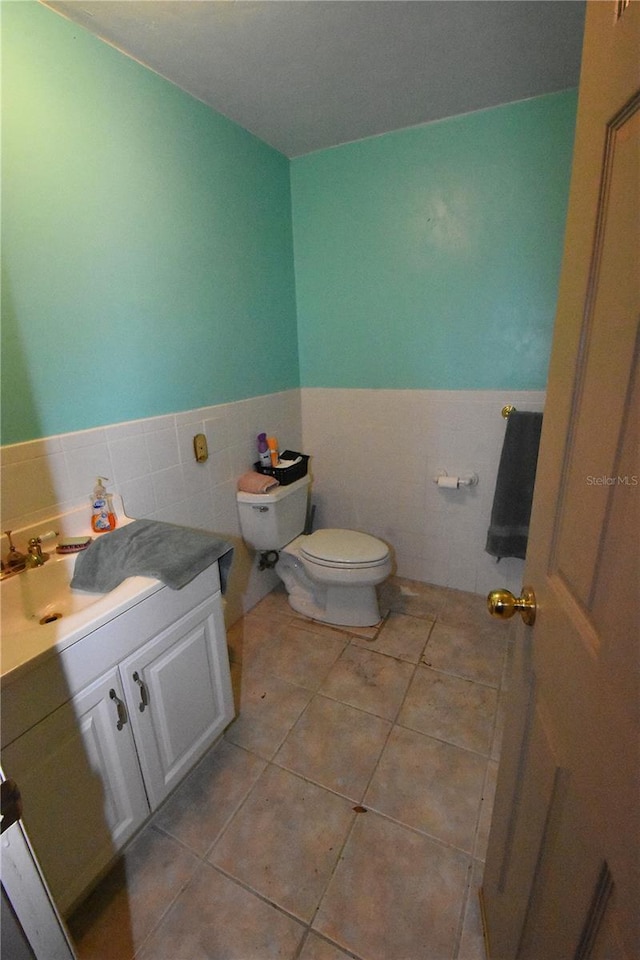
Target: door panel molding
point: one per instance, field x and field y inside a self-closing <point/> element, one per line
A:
<point x="596" y="912"/>
<point x="600" y="388"/>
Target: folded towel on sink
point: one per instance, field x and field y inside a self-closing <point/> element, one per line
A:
<point x="170" y="553"/>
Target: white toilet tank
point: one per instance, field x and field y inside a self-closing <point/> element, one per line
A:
<point x="271" y="520"/>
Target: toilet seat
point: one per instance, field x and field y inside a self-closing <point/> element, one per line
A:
<point x="346" y="549"/>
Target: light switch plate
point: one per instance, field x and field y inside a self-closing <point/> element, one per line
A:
<point x="200" y="447"/>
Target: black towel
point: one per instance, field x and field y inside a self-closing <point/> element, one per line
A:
<point x="150" y="548"/>
<point x="509" y="528"/>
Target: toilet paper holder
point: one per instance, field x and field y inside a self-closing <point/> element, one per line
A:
<point x="453" y="483"/>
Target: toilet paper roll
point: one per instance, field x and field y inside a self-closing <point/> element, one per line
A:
<point x="450" y="483"/>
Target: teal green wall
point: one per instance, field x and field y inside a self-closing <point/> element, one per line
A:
<point x="147" y="245"/>
<point x="429" y="258"/>
<point x="148" y="260"/>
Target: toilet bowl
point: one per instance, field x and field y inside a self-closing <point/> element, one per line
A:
<point x="342" y="569"/>
<point x="330" y="575"/>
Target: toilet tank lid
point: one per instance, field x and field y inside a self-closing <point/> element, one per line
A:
<point x="344" y="546"/>
<point x="275" y="494"/>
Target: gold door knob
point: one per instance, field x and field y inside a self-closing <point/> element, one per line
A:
<point x="503" y="604"/>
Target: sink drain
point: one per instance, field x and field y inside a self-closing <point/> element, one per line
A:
<point x="50" y="618"/>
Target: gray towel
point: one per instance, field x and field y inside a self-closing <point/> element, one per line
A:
<point x="509" y="528"/>
<point x="149" y="548"/>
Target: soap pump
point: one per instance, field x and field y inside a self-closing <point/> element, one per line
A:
<point x="103" y="517"/>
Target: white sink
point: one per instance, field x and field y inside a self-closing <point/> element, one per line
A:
<point x="42" y="595"/>
<point x="41" y="615"/>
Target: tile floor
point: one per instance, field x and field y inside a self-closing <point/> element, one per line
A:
<point x="344" y="813"/>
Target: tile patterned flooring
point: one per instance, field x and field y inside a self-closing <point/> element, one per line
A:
<point x="345" y="812"/>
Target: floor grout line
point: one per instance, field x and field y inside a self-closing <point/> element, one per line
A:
<point x="360" y="643"/>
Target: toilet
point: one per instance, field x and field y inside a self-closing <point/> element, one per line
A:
<point x="330" y="575"/>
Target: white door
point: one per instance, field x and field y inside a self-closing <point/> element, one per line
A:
<point x="178" y="691"/>
<point x="562" y="876"/>
<point x="81" y="786"/>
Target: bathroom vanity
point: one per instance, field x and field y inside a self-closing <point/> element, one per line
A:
<point x="102" y="722"/>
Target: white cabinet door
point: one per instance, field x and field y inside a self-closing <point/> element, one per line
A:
<point x="178" y="691"/>
<point x="81" y="786"/>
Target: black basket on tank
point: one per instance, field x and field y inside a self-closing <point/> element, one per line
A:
<point x="286" y="475"/>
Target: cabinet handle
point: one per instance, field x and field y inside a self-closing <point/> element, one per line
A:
<point x="122" y="710"/>
<point x="144" y="692"/>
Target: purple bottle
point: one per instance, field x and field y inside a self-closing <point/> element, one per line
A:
<point x="263" y="450"/>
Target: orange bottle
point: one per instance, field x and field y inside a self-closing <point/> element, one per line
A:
<point x="103" y="517"/>
<point x="272" y="443"/>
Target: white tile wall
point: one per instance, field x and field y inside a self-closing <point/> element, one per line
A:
<point x="374" y="454"/>
<point x="151" y="464"/>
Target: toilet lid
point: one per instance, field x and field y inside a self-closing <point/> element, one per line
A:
<point x="344" y="547"/>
